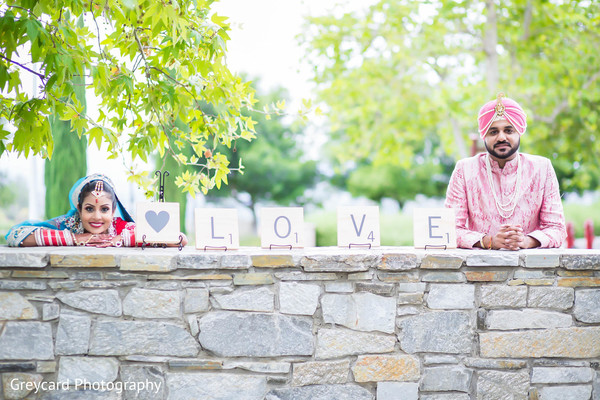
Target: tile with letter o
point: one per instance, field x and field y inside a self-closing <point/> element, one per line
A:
<point x="282" y="227"/>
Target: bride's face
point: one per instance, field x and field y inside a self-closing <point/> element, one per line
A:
<point x="96" y="213"/>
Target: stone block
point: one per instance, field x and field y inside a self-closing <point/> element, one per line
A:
<point x="384" y="289"/>
<point x="503" y="296"/>
<point x="536" y="259"/>
<point x="340" y="263"/>
<point x="148" y="260"/>
<point x="339" y="287"/>
<point x="119" y="338"/>
<point x="238" y="334"/>
<point x="360" y="311"/>
<point x="273" y="261"/>
<point x="148" y="303"/>
<point x="50" y="311"/>
<point x="562" y="375"/>
<point x="258" y="278"/>
<point x="22" y="285"/>
<point x="195" y="365"/>
<point x="26" y="340"/>
<point x="199" y="261"/>
<point x="408" y="310"/>
<point x="579" y="282"/>
<point x="301" y="276"/>
<point x="587" y="307"/>
<point x="551" y="297"/>
<point x="73" y="334"/>
<point x="105" y="302"/>
<point x="445" y="396"/>
<point x="436" y="261"/>
<point x="24" y="366"/>
<point x="398" y="262"/>
<point x="333" y="343"/>
<point x="574" y="342"/>
<point x="16" y="258"/>
<point x="82" y="258"/>
<point x="377" y="368"/>
<point x="153" y="378"/>
<point x="361" y="276"/>
<point x="432" y="359"/>
<point x="88" y="369"/>
<point x="196" y="300"/>
<point x="580" y="260"/>
<point x="411" y="287"/>
<point x="503" y="385"/>
<point x="46" y="367"/>
<point x="488" y="363"/>
<point x="446" y="378"/>
<point x="533" y="274"/>
<point x="527" y="319"/>
<point x="260" y="367"/>
<point x="255" y="299"/>
<point x="64" y="394"/>
<point x="321" y="392"/>
<point x="397" y="391"/>
<point x="298" y="298"/>
<point x="18" y="385"/>
<point x="450" y="296"/>
<point x="566" y="392"/>
<point x="400" y="277"/>
<point x="437" y="332"/>
<point x="320" y="372"/>
<point x="40" y="274"/>
<point x="15" y="306"/>
<point x="487" y="276"/>
<point x="443" y="276"/>
<point x="184" y="386"/>
<point x="410" y="298"/>
<point x="493" y="259"/>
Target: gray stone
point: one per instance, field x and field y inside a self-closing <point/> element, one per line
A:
<point x="15" y="306"/>
<point x="397" y="391"/>
<point x="16" y="257"/>
<point x="339" y="287"/>
<point x="105" y="302"/>
<point x="261" y="367"/>
<point x="411" y="287"/>
<point x="22" y="285"/>
<point x="214" y="261"/>
<point x="527" y="319"/>
<point x="408" y="310"/>
<point x="562" y="375"/>
<point x="528" y="274"/>
<point x="566" y="392"/>
<point x="409" y="298"/>
<point x="439" y="261"/>
<point x="432" y="359"/>
<point x="333" y="343"/>
<point x="81" y="395"/>
<point x="26" y="340"/>
<point x="443" y="276"/>
<point x="149" y="260"/>
<point x="88" y="369"/>
<point x="17" y="366"/>
<point x="73" y="334"/>
<point x="301" y="276"/>
<point x="580" y="260"/>
<point x="196" y="300"/>
<point x="298" y="298"/>
<point x="50" y="311"/>
<point x="596" y="386"/>
<point x="321" y="392"/>
<point x="116" y="338"/>
<point x="493" y="259"/>
<point x="340" y="263"/>
<point x="586" y="305"/>
<point x="551" y="297"/>
<point x="228" y="333"/>
<point x="192" y="321"/>
<point x="398" y="262"/>
<point x="437" y="332"/>
<point x="320" y="372"/>
<point x="448" y="296"/>
<point x="17" y="385"/>
<point x="488" y="363"/>
<point x="360" y="311"/>
<point x="539" y="260"/>
<point x="184" y="386"/>
<point x="503" y="385"/>
<point x="447" y="378"/>
<point x="155" y="389"/>
<point x="148" y="303"/>
<point x="375" y="288"/>
<point x="503" y="296"/>
<point x="446" y="396"/>
<point x="256" y="299"/>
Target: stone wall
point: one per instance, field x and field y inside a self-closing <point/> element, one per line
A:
<point x="318" y="323"/>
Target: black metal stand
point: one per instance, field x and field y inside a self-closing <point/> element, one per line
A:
<point x="282" y="246"/>
<point x="163" y="245"/>
<point x="367" y="245"/>
<point x="224" y="248"/>
<point x="433" y="246"/>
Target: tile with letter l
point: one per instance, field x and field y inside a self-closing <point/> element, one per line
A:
<point x="217" y="229"/>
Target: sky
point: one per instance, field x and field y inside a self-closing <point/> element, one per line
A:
<point x="263" y="44"/>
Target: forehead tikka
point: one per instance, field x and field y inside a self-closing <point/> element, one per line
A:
<point x="499" y="109"/>
<point x="98" y="190"/>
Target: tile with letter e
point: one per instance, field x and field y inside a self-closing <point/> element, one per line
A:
<point x="282" y="227"/>
<point x="434" y="228"/>
<point x="157" y="222"/>
<point x="217" y="229"/>
<point x="358" y="226"/>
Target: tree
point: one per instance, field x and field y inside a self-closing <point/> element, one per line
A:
<point x="276" y="168"/>
<point x="408" y="71"/>
<point x="69" y="161"/>
<point x="152" y="65"/>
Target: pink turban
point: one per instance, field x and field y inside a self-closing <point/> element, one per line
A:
<point x="502" y="108"/>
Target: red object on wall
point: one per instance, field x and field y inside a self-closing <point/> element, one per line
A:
<point x="570" y="235"/>
<point x="588" y="228"/>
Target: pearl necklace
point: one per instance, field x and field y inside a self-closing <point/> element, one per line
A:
<point x="505" y="210"/>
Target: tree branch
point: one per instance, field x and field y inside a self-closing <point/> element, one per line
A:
<point x="41" y="76"/>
